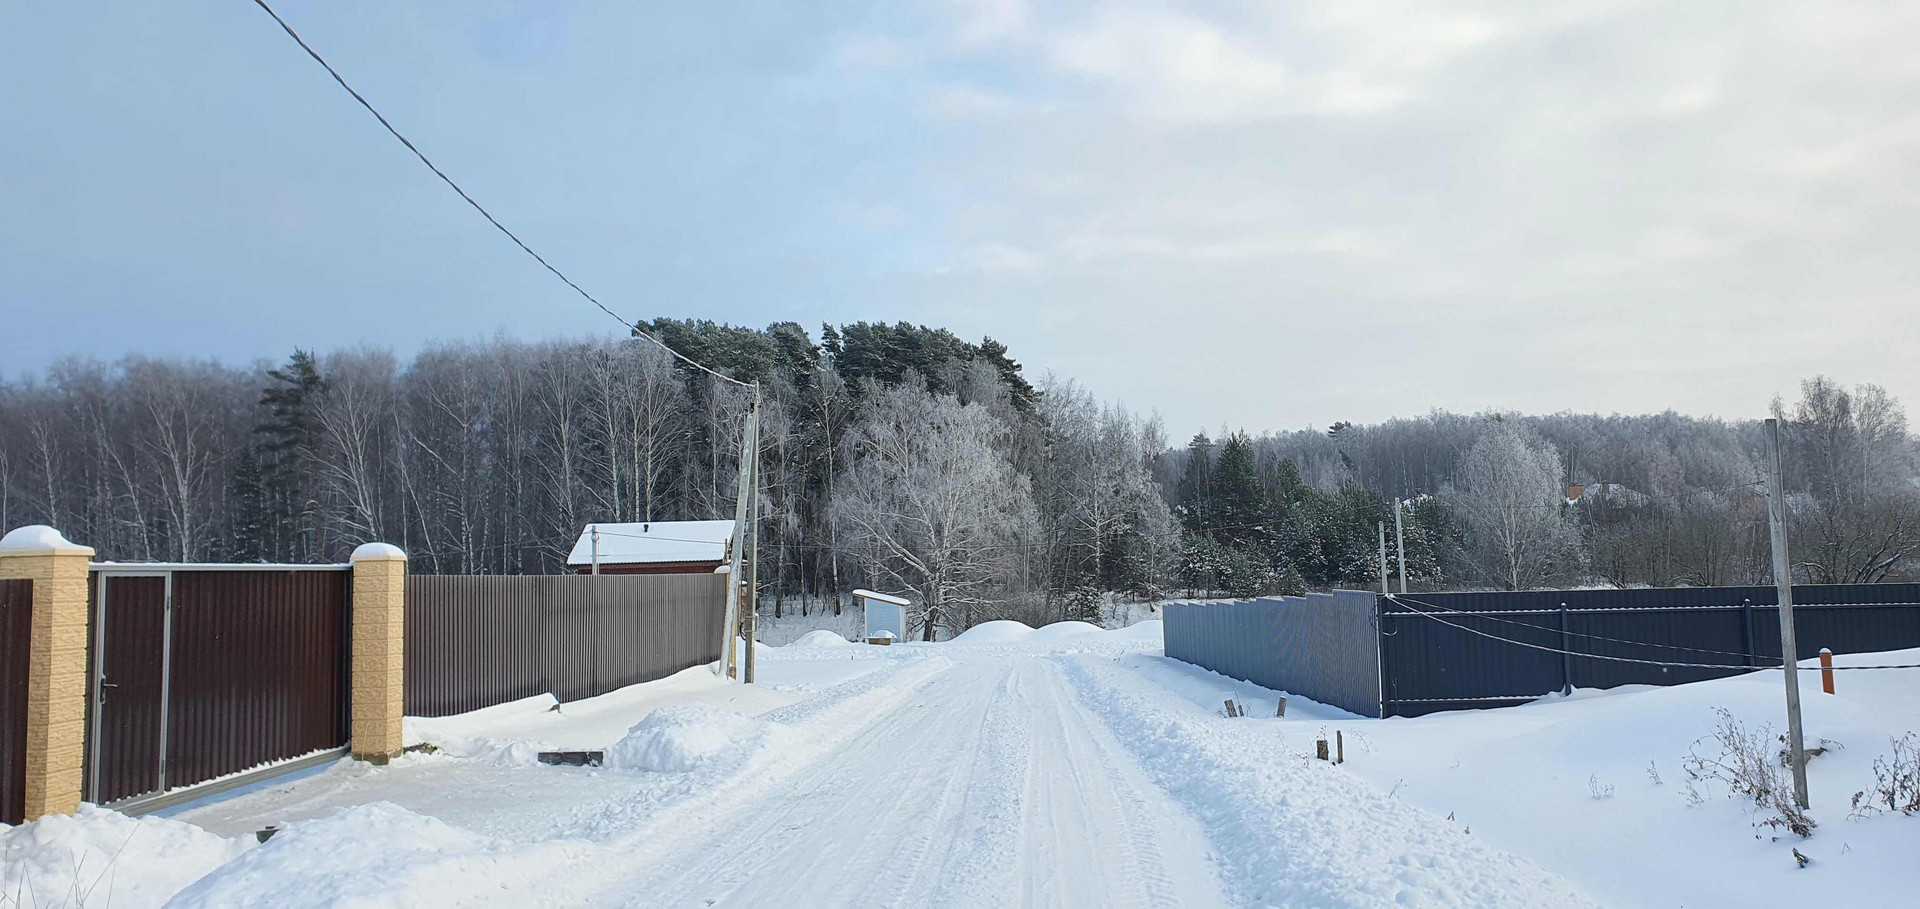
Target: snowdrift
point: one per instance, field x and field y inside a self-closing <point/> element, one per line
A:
<point x="680" y="739"/>
<point x="1059" y="630"/>
<point x="1011" y="632"/>
<point x="1595" y="783"/>
<point x="821" y="639"/>
<point x="99" y="856"/>
<point x="1000" y="632"/>
<point x="378" y="854"/>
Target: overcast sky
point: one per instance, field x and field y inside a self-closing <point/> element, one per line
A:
<point x="1259" y="214"/>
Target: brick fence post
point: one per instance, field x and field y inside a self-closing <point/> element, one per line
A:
<point x="379" y="651"/>
<point x="56" y="664"/>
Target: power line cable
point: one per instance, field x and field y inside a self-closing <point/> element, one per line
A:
<point x="630" y="326"/>
<point x="1442" y="610"/>
<point x="1615" y="659"/>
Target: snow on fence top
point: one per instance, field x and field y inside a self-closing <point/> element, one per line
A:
<point x="654" y="541"/>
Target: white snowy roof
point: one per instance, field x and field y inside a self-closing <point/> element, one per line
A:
<point x="882" y="597"/>
<point x="654" y="541"/>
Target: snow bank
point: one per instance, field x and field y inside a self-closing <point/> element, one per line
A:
<point x="1592" y="786"/>
<point x="99" y="857"/>
<point x="1059" y="630"/>
<point x="1003" y="631"/>
<point x="821" y="638"/>
<point x="680" y="739"/>
<point x="374" y="855"/>
<point x="1153" y="630"/>
<point x="1292" y="831"/>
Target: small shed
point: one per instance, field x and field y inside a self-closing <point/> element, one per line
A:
<point x="653" y="547"/>
<point x="886" y="614"/>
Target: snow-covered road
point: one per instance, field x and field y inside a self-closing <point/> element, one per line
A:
<point x="1056" y="771"/>
<point x="992" y="787"/>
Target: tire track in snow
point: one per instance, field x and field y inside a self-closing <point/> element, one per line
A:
<point x="1098" y="806"/>
<point x="992" y="786"/>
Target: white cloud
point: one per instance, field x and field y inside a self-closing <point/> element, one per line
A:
<point x="1452" y="183"/>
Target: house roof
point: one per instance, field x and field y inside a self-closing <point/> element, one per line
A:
<point x="882" y="597"/>
<point x="654" y="541"/>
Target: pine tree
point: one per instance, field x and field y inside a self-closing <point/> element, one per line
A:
<point x="252" y="518"/>
<point x="1239" y="499"/>
<point x="288" y="440"/>
<point x="1195" y="495"/>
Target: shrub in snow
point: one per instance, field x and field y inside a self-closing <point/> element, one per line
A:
<point x="1085" y="604"/>
<point x="97" y="857"/>
<point x="1896" y="781"/>
<point x="1749" y="766"/>
<point x="1598" y="789"/>
<point x="680" y="738"/>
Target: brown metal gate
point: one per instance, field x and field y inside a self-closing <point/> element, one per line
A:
<point x="202" y="672"/>
<point x="16" y="637"/>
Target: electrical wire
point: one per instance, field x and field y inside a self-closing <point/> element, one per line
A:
<point x="633" y="327"/>
<point x="1615" y="659"/>
<point x="1441" y="610"/>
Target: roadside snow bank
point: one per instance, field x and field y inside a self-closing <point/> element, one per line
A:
<point x="1594" y="787"/>
<point x="99" y="857"/>
<point x="1292" y="831"/>
<point x="513" y="733"/>
<point x="374" y="855"/>
<point x="680" y="739"/>
<point x="820" y="639"/>
<point x="1004" y="631"/>
<point x="1059" y="630"/>
<point x="1153" y="630"/>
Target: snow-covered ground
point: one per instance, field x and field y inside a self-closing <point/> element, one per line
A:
<point x="1064" y="766"/>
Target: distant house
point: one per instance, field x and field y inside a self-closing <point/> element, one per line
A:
<point x="1607" y="493"/>
<point x="654" y="547"/>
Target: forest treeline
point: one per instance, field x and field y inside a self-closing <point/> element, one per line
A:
<point x="905" y="457"/>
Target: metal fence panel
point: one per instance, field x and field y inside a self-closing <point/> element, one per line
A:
<point x="16" y="638"/>
<point x="1321" y="646"/>
<point x="1438" y="651"/>
<point x="259" y="670"/>
<point x="476" y="641"/>
<point x="132" y="688"/>
<point x="1431" y="665"/>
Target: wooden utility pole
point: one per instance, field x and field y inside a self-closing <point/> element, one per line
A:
<point x="752" y="453"/>
<point x="736" y="576"/>
<point x="1783" y="581"/>
<point x="1400" y="543"/>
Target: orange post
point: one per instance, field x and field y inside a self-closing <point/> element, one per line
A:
<point x="1826" y="670"/>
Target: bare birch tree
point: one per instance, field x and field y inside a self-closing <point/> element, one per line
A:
<point x="932" y="500"/>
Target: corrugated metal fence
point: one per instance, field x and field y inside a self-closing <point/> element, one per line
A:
<point x="476" y="641"/>
<point x="1431" y="665"/>
<point x="201" y="672"/>
<point x="16" y="634"/>
<point x="1423" y="663"/>
<point x="1321" y="646"/>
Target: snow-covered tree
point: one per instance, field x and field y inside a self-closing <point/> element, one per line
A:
<point x="930" y="501"/>
<point x="1509" y="497"/>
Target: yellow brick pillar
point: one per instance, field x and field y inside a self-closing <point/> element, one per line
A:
<point x="379" y="650"/>
<point x="56" y="665"/>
